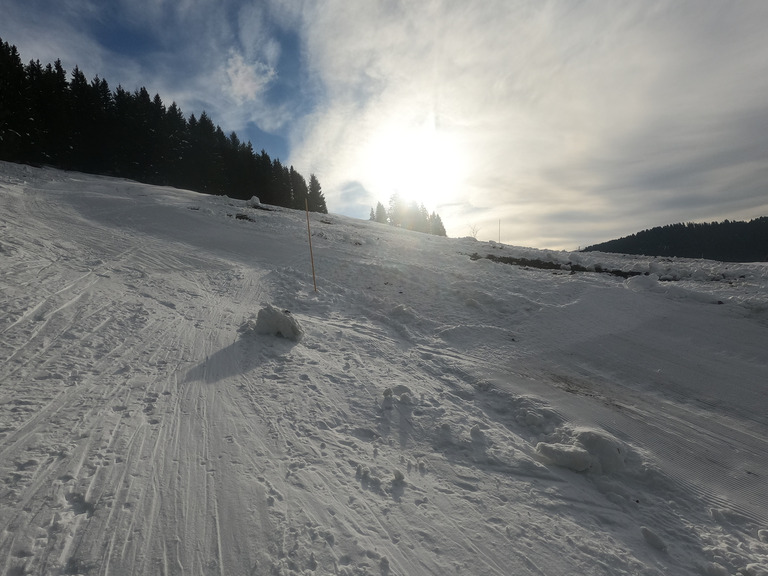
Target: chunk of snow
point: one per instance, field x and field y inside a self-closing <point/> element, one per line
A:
<point x="640" y="283"/>
<point x="607" y="452"/>
<point x="276" y="322"/>
<point x="565" y="455"/>
<point x="400" y="389"/>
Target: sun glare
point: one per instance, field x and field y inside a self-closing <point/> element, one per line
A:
<point x="421" y="163"/>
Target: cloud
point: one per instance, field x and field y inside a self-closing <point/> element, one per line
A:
<point x="203" y="55"/>
<point x="354" y="200"/>
<point x="256" y="34"/>
<point x="247" y="82"/>
<point x="624" y="116"/>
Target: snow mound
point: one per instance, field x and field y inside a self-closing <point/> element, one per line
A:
<point x="276" y="322"/>
<point x="589" y="450"/>
<point x="254" y="202"/>
<point x="640" y="283"/>
<point x="606" y="451"/>
<point x="565" y="455"/>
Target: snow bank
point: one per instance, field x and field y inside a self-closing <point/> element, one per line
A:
<point x="276" y="322"/>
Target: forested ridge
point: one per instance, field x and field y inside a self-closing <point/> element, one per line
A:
<point x="74" y="124"/>
<point x="727" y="241"/>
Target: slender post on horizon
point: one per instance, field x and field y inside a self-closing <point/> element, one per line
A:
<point x="309" y="235"/>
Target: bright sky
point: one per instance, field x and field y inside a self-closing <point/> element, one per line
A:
<point x="559" y="123"/>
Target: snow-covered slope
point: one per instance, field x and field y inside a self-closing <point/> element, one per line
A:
<point x="433" y="413"/>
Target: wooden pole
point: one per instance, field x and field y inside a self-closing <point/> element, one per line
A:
<point x="309" y="235"/>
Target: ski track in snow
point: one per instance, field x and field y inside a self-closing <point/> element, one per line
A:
<point x="439" y="416"/>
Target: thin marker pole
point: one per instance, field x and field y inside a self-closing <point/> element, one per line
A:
<point x="309" y="235"/>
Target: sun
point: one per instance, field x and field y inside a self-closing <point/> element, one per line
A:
<point x="420" y="162"/>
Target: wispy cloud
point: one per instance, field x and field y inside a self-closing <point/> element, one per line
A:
<point x="247" y="82"/>
<point x="204" y="55"/>
<point x="625" y="116"/>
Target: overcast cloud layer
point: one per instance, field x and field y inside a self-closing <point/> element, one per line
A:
<point x="569" y="123"/>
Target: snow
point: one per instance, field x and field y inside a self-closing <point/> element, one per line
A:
<point x="422" y="413"/>
<point x="275" y="322"/>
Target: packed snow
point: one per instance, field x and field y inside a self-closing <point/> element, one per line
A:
<point x="176" y="398"/>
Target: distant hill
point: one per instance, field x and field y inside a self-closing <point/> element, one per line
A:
<point x="724" y="241"/>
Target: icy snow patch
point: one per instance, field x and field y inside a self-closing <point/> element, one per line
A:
<point x="276" y="322"/>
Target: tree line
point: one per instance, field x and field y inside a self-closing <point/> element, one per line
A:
<point x="408" y="215"/>
<point x="727" y="241"/>
<point x="74" y="124"/>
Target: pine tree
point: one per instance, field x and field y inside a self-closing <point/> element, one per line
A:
<point x="421" y="219"/>
<point x="381" y="213"/>
<point x="82" y="134"/>
<point x="14" y="116"/>
<point x="299" y="189"/>
<point x="316" y="198"/>
<point x="102" y="145"/>
<point x="436" y="225"/>
<point x="396" y="213"/>
<point x="262" y="179"/>
<point x="281" y="184"/>
<point x="49" y="110"/>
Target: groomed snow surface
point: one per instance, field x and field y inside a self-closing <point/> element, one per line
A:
<point x="175" y="398"/>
